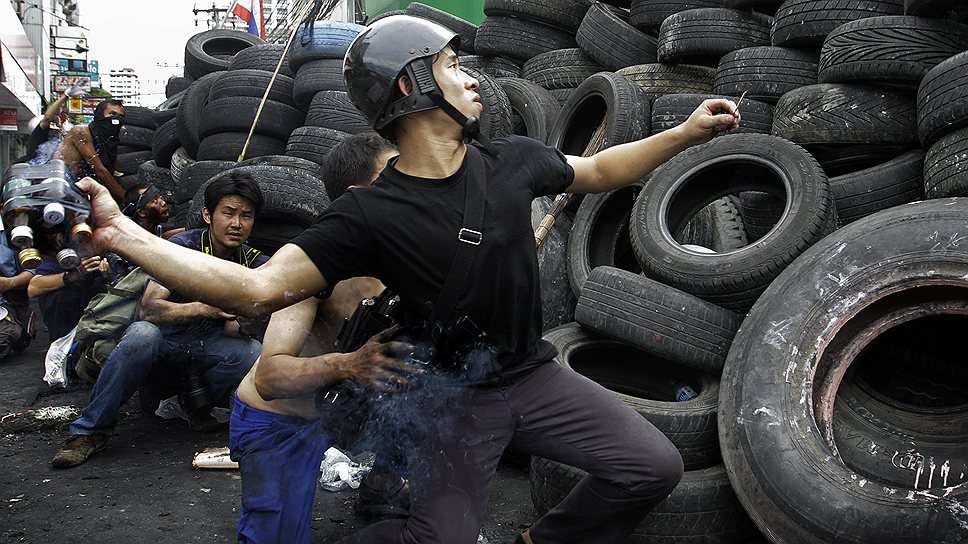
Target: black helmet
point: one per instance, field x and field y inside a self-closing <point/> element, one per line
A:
<point x="381" y="54"/>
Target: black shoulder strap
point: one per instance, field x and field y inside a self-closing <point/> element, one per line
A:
<point x="468" y="238"/>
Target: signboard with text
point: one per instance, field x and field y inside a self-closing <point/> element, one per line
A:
<point x="83" y="68"/>
<point x="81" y="110"/>
<point x="8" y="119"/>
<point x="62" y="83"/>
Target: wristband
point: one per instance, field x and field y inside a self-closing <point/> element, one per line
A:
<point x="64" y="278"/>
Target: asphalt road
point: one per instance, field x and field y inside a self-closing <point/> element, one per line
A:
<point x="142" y="487"/>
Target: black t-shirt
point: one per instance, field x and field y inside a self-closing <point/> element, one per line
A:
<point x="403" y="230"/>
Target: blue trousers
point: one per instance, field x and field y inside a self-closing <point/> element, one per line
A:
<point x="279" y="459"/>
<point x="142" y="354"/>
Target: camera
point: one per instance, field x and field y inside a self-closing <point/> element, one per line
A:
<point x="118" y="265"/>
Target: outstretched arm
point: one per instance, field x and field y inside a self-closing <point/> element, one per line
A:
<point x="624" y="164"/>
<point x="288" y="277"/>
<point x="281" y="373"/>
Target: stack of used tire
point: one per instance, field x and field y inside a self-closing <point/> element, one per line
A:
<point x="773" y="300"/>
<point x="134" y="146"/>
<point x="209" y="112"/>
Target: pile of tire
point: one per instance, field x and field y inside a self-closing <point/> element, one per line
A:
<point x="209" y="112"/>
<point x="785" y="274"/>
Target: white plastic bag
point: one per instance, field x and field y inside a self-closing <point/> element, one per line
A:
<point x="55" y="364"/>
<point x="337" y="471"/>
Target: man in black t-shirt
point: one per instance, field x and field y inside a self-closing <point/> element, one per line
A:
<point x="403" y="74"/>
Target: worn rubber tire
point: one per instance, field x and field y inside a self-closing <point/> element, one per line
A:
<point x="703" y="36"/>
<point x="642" y="381"/>
<point x="948" y="9"/>
<point x="263" y="57"/>
<point x="128" y="163"/>
<point x="334" y="110"/>
<point x="608" y="38"/>
<point x="190" y="112"/>
<point x="671" y="110"/>
<point x="323" y="40"/>
<point x="165" y="143"/>
<point x="496" y="119"/>
<point x="718" y="227"/>
<point x="889" y="50"/>
<point x="291" y="196"/>
<point x="519" y="39"/>
<point x="135" y="137"/>
<point x="946" y="166"/>
<point x="160" y="177"/>
<point x="237" y="113"/>
<point x="176" y="84"/>
<point x="943" y="100"/>
<point x="226" y="146"/>
<point x="557" y="299"/>
<point x="536" y="107"/>
<point x="841" y="113"/>
<point x="648" y="15"/>
<point x="774" y="418"/>
<point x="560" y="69"/>
<point x="901" y="446"/>
<point x="492" y="66"/>
<point x="212" y="50"/>
<point x="313" y="143"/>
<point x="661" y="79"/>
<point x="139" y="116"/>
<point x="765" y="73"/>
<point x="759" y="211"/>
<point x="600" y="235"/>
<point x="179" y="162"/>
<point x="307" y="166"/>
<point x="163" y="116"/>
<point x="252" y="83"/>
<point x="895" y="182"/>
<point x="563" y="14"/>
<point x="730" y="165"/>
<point x="603" y="97"/>
<point x="805" y="23"/>
<point x="195" y="175"/>
<point x="656" y="318"/>
<point x="315" y="76"/>
<point x="702" y="509"/>
<point x="466" y="30"/>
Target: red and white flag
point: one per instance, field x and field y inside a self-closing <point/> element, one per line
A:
<point x="250" y="11"/>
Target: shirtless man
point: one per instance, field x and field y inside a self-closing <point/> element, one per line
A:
<point x="91" y="150"/>
<point x="274" y="432"/>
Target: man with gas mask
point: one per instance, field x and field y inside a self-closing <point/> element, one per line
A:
<point x="441" y="206"/>
<point x="91" y="150"/>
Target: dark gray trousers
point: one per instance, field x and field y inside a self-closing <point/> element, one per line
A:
<point x="554" y="413"/>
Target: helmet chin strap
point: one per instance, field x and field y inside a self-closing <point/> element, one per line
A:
<point x="421" y="73"/>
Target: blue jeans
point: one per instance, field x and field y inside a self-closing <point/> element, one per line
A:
<point x="143" y="354"/>
<point x="279" y="459"/>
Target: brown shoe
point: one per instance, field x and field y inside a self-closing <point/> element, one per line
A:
<point x="78" y="448"/>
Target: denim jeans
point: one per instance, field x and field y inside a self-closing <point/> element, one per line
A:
<point x="143" y="354"/>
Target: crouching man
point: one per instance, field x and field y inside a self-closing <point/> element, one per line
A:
<point x="275" y="434"/>
<point x="170" y="324"/>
